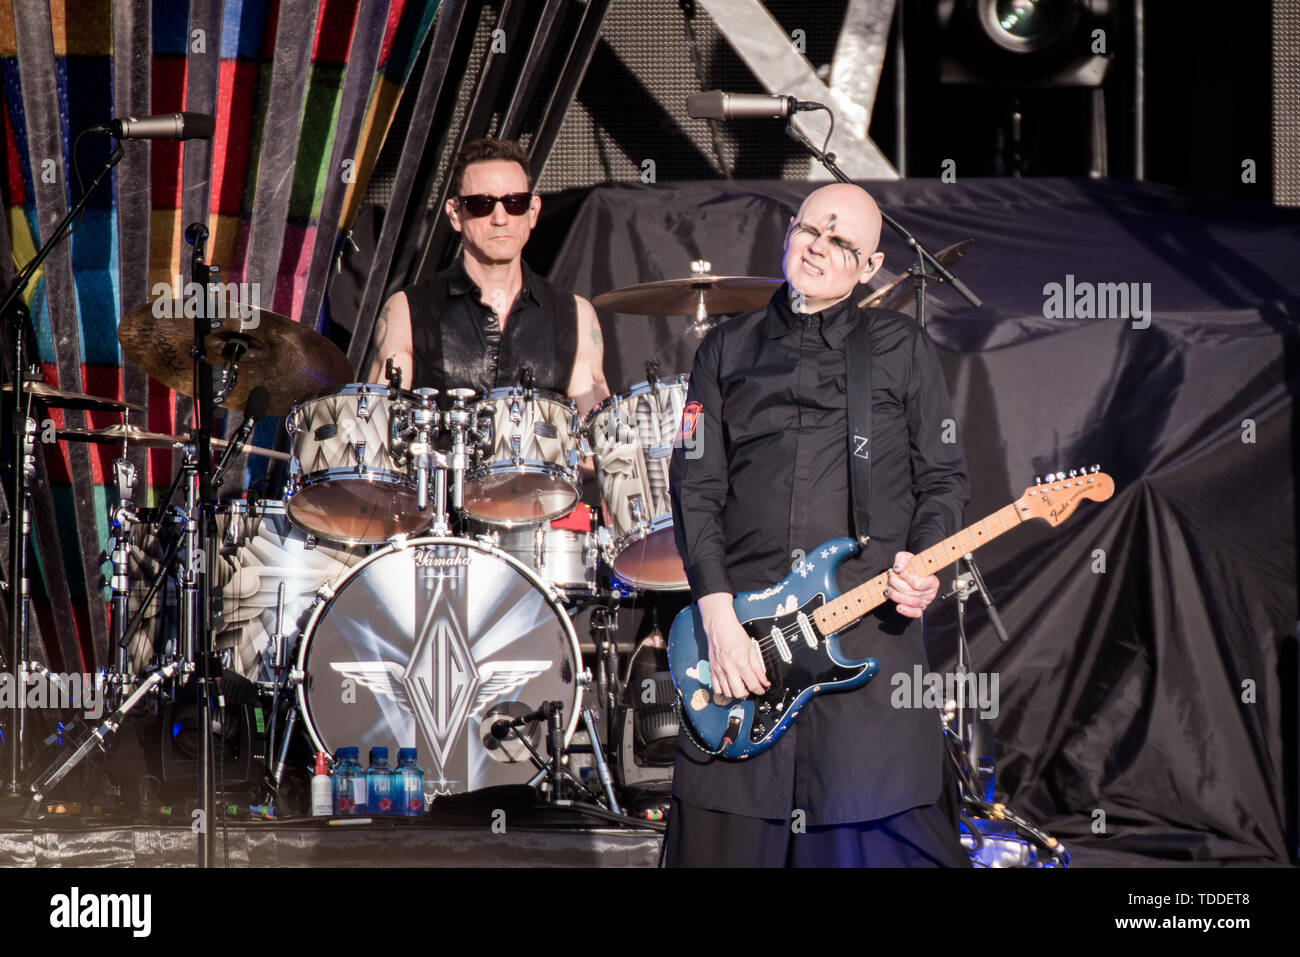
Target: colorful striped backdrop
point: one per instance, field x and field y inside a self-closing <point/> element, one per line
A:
<point x="303" y="92"/>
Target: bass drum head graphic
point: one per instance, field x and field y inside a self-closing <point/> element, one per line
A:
<point x="429" y="644"/>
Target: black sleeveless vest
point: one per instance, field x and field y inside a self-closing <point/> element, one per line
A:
<point x="457" y="343"/>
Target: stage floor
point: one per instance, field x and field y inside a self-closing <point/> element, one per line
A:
<point x="312" y="844"/>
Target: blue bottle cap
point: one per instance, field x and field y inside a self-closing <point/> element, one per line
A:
<point x="349" y="754"/>
<point x="404" y="753"/>
<point x="378" y="754"/>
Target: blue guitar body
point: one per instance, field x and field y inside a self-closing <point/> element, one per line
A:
<point x="801" y="662"/>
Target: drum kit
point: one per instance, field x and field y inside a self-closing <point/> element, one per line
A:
<point x="418" y="582"/>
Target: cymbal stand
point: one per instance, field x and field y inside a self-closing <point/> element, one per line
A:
<point x="702" y="321"/>
<point x="275" y="765"/>
<point x="20" y="530"/>
<point x="121" y="519"/>
<point x="14" y="313"/>
<point x="195" y="615"/>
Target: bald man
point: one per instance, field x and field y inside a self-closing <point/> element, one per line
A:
<point x="764" y="478"/>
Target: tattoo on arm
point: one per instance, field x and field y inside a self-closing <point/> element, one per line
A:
<point x="381" y="328"/>
<point x="595" y="333"/>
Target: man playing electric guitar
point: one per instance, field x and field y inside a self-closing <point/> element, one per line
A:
<point x="764" y="474"/>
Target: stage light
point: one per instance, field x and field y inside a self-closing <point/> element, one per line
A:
<point x="1023" y="43"/>
<point x="1027" y="26"/>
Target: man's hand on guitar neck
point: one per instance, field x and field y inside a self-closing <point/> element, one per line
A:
<point x="735" y="667"/>
<point x="911" y="593"/>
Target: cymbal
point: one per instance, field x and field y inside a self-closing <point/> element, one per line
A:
<point x="722" y="295"/>
<point x="123" y="433"/>
<point x="113" y="434"/>
<point x="291" y="360"/>
<point x="900" y="291"/>
<point x="58" y="399"/>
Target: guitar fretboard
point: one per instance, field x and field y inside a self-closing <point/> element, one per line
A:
<point x="843" y="611"/>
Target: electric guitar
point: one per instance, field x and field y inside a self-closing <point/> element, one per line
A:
<point x="795" y="624"/>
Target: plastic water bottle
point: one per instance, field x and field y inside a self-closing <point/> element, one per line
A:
<point x="379" y="783"/>
<point x="408" y="784"/>
<point x="349" y="783"/>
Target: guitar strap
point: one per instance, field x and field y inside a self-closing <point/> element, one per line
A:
<point x="858" y="373"/>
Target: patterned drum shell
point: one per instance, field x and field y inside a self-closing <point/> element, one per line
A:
<point x="527" y="471"/>
<point x="348" y="477"/>
<point x="631" y="436"/>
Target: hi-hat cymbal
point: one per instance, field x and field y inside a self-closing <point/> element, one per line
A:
<point x="114" y="434"/>
<point x="58" y="399"/>
<point x="900" y="291"/>
<point x="721" y="296"/>
<point x="291" y="360"/>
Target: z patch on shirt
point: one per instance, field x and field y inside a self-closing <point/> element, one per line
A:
<point x="690" y="416"/>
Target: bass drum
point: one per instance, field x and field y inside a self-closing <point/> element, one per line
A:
<point x="428" y="645"/>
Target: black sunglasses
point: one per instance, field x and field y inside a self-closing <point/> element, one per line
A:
<point x="482" y="204"/>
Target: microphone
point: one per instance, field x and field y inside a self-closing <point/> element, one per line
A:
<point x="501" y="727"/>
<point x="259" y="399"/>
<point x="165" y="126"/>
<point x="716" y="105"/>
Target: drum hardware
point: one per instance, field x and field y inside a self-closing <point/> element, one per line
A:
<point x="258" y="399"/>
<point x="460" y="422"/>
<point x="602" y="766"/>
<point x="14" y="313"/>
<point x="232" y="352"/>
<point x="98" y="737"/>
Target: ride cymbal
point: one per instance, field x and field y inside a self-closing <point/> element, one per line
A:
<point x="291" y="360"/>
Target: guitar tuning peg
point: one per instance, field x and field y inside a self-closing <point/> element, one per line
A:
<point x="1060" y="476"/>
<point x="1096" y="468"/>
<point x="1073" y="473"/>
<point x="1038" y="480"/>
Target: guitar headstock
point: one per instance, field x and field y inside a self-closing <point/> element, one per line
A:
<point x="1056" y="499"/>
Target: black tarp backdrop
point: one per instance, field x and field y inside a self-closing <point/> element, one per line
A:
<point x="1146" y="698"/>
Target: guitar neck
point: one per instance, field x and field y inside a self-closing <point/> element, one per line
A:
<point x="854" y="604"/>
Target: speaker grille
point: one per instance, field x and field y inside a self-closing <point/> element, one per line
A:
<point x="1286" y="102"/>
<point x="631" y="106"/>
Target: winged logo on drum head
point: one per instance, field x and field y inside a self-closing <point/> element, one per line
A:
<point x="388" y="679"/>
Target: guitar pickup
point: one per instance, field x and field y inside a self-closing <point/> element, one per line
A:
<point x="806" y="629"/>
<point x="782" y="647"/>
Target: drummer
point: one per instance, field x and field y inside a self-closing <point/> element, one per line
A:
<point x="489" y="321"/>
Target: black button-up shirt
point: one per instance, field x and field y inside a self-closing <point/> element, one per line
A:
<point x="760" y="483"/>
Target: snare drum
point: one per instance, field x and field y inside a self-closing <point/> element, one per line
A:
<point x="632" y="436"/>
<point x="348" y="478"/>
<point x="527" y="468"/>
<point x="562" y="552"/>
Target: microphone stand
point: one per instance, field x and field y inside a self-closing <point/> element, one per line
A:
<point x="927" y="267"/>
<point x="13" y="313"/>
<point x="199" y="611"/>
